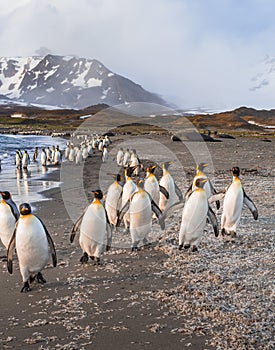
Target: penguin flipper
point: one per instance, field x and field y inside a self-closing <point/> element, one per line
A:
<point x="13" y="208"/>
<point x="164" y="191"/>
<point x="76" y="226"/>
<point x="178" y="193"/>
<point x="158" y="213"/>
<point x="122" y="213"/>
<point x="213" y="219"/>
<point x="109" y="231"/>
<point x="118" y="206"/>
<point x="216" y="197"/>
<point x="11" y="249"/>
<point x="189" y="191"/>
<point x="251" y="206"/>
<point x="109" y="237"/>
<point x="50" y="242"/>
<point x="213" y="191"/>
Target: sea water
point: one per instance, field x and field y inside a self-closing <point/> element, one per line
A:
<point x="25" y="185"/>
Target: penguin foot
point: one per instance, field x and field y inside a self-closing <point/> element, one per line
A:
<point x="97" y="261"/>
<point x="194" y="248"/>
<point x="233" y="234"/>
<point x="108" y="247"/>
<point x="180" y="246"/>
<point x="40" y="278"/>
<point x="135" y="249"/>
<point x="146" y="243"/>
<point x="223" y="232"/>
<point x="26" y="287"/>
<point x="84" y="259"/>
<point x="187" y="246"/>
<point x="92" y="257"/>
<point x="32" y="278"/>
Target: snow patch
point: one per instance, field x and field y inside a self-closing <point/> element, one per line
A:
<point x="18" y="115"/>
<point x="51" y="89"/>
<point x="262" y="125"/>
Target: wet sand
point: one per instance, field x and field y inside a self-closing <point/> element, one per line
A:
<point x="156" y="298"/>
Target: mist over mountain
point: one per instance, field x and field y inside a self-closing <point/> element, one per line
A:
<point x="67" y="82"/>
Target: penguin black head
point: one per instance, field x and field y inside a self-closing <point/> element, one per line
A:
<point x="167" y="164"/>
<point x="129" y="170"/>
<point x="200" y="182"/>
<point x="140" y="182"/>
<point x="117" y="177"/>
<point x="98" y="194"/>
<point x="235" y="171"/>
<point x="5" y="195"/>
<point x="151" y="169"/>
<point x="201" y="166"/>
<point x="25" y="209"/>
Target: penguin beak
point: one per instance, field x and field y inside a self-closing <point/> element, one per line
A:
<point x="205" y="164"/>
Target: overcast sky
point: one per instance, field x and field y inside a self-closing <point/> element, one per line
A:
<point x="192" y="52"/>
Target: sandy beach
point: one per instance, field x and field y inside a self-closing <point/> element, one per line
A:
<point x="158" y="298"/>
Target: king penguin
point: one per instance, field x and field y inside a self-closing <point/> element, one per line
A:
<point x="209" y="189"/>
<point x="119" y="157"/>
<point x="195" y="212"/>
<point x="32" y="241"/>
<point x="94" y="230"/>
<point x="112" y="199"/>
<point x="128" y="189"/>
<point x="9" y="214"/>
<point x="171" y="187"/>
<point x="234" y="199"/>
<point x="151" y="184"/>
<point x="140" y="206"/>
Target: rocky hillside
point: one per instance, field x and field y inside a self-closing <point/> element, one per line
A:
<point x="67" y="82"/>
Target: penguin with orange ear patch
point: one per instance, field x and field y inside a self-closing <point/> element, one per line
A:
<point x="194" y="215"/>
<point x="32" y="241"/>
<point x="9" y="214"/>
<point x="94" y="230"/>
<point x="234" y="199"/>
<point x="140" y="207"/>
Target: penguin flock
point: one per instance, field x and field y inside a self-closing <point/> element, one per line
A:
<point x="135" y="198"/>
<point x="85" y="146"/>
<point x="48" y="156"/>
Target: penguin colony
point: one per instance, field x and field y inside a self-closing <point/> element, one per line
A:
<point x="135" y="202"/>
<point x="48" y="157"/>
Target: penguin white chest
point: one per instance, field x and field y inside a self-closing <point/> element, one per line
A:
<point x="194" y="217"/>
<point x="31" y="244"/>
<point x="93" y="226"/>
<point x="168" y="183"/>
<point x="152" y="187"/>
<point x="7" y="223"/>
<point x="112" y="198"/>
<point x="233" y="204"/>
<point x="140" y="216"/>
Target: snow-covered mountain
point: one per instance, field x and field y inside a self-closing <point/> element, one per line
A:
<point x="67" y="82"/>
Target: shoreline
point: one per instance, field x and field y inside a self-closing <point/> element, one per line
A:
<point x="157" y="298"/>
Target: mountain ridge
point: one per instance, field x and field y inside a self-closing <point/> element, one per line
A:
<point x="67" y="82"/>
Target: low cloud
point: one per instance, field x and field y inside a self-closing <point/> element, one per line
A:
<point x="193" y="53"/>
